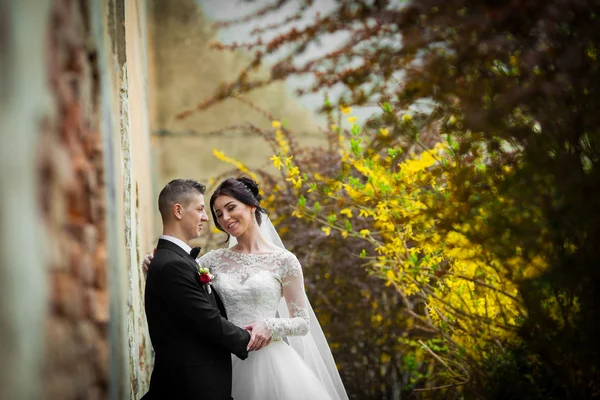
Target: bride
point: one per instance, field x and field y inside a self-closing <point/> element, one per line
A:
<point x="262" y="286"/>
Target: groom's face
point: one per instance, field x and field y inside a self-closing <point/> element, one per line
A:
<point x="193" y="216"/>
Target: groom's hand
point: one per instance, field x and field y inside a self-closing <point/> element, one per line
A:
<point x="146" y="262"/>
<point x="259" y="335"/>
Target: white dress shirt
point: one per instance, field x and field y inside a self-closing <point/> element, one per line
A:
<point x="178" y="242"/>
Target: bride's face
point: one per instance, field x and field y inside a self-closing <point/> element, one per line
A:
<point x="232" y="215"/>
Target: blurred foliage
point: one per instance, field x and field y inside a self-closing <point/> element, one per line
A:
<point x="473" y="193"/>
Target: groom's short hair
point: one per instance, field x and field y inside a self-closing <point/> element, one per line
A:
<point x="177" y="191"/>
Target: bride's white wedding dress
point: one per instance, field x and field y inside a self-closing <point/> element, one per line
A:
<point x="251" y="287"/>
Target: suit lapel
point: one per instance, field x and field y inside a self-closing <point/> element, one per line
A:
<point x="214" y="298"/>
<point x="165" y="244"/>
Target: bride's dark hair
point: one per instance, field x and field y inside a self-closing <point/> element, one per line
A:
<point x="242" y="189"/>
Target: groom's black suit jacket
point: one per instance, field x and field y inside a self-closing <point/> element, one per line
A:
<point x="190" y="334"/>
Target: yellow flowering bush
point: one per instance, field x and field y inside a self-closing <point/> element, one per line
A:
<point x="405" y="209"/>
<point x="450" y="285"/>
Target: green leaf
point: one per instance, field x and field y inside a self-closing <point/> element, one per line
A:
<point x="302" y="202"/>
<point x="354" y="182"/>
<point x="414" y="259"/>
<point x="348" y="225"/>
<point x="355" y="146"/>
<point x="394" y="152"/>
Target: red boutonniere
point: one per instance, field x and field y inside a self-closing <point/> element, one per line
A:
<point x="206" y="278"/>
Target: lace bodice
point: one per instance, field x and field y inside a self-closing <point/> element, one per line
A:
<point x="252" y="285"/>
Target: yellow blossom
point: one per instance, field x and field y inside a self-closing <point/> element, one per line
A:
<point x="276" y="124"/>
<point x="294" y="171"/>
<point x="347" y="212"/>
<point x="352" y="119"/>
<point x="346" y="110"/>
<point x="390" y="276"/>
<point x="384" y="132"/>
<point x="365" y="232"/>
<point x="296" y="182"/>
<point x="327" y="230"/>
<point x="288" y="161"/>
<point x="407" y="118"/>
<point x="282" y="142"/>
<point x="344" y="233"/>
<point x="219" y="154"/>
<point x="276" y="162"/>
<point x="318" y="176"/>
<point x="240" y="166"/>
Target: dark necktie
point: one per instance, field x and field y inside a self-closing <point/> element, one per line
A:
<point x="194" y="252"/>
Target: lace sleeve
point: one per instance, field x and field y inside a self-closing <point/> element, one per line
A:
<point x="292" y="282"/>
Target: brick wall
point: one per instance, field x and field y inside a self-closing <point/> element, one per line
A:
<point x="73" y="202"/>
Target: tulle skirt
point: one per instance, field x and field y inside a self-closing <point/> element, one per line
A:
<point x="275" y="372"/>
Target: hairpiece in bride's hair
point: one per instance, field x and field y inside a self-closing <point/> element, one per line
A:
<point x="247" y="188"/>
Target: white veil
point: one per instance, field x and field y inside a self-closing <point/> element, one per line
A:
<point x="313" y="347"/>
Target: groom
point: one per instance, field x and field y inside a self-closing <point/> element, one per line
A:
<point x="190" y="334"/>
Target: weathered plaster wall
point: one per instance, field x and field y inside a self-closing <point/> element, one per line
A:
<point x="125" y="20"/>
<point x="138" y="188"/>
